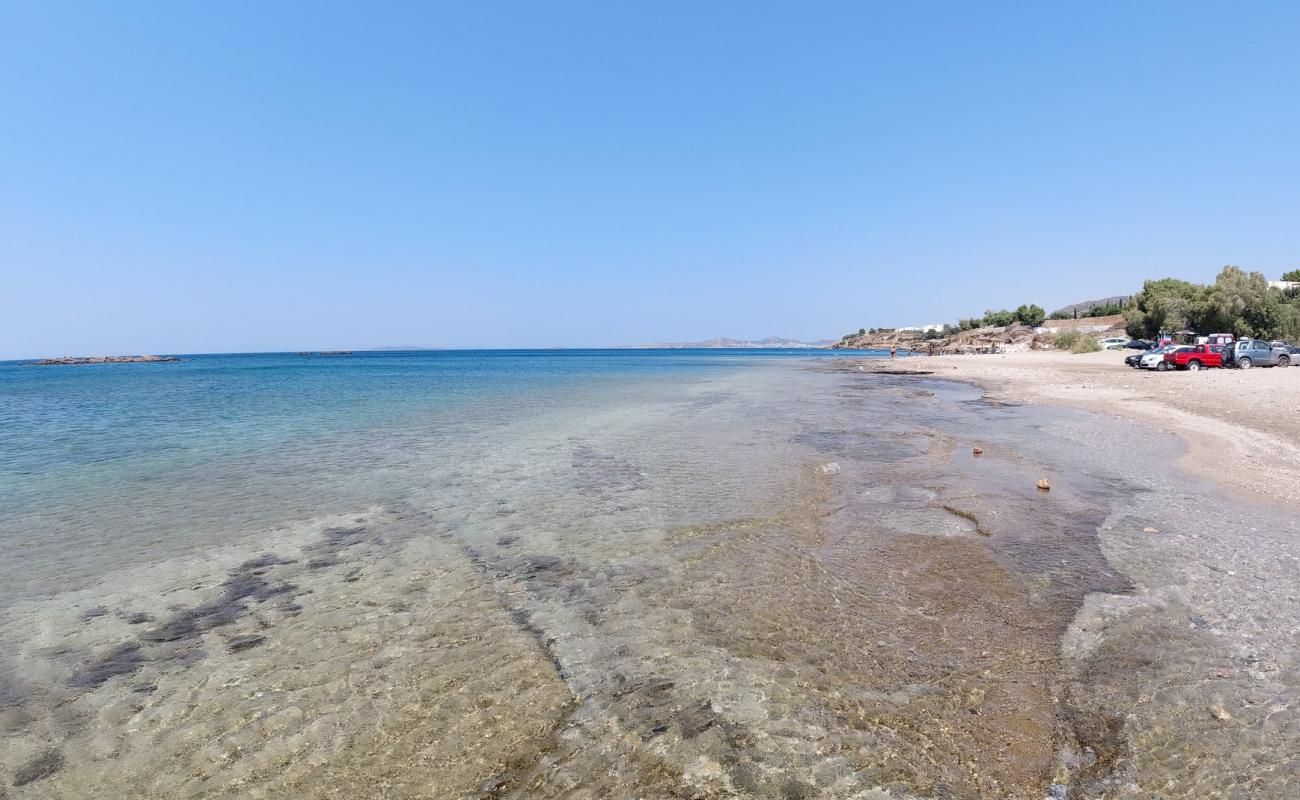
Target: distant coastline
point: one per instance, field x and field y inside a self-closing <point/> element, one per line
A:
<point x="771" y="342"/>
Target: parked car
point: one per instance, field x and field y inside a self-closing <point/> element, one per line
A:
<point x="1135" y="359"/>
<point x="1152" y="359"/>
<point x="1194" y="358"/>
<point x="1247" y="353"/>
<point x="1113" y="342"/>
<point x="1137" y="344"/>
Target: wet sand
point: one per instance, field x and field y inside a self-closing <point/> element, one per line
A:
<point x="1241" y="427"/>
<point x="792" y="585"/>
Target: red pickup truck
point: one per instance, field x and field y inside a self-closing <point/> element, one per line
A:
<point x="1194" y="358"/>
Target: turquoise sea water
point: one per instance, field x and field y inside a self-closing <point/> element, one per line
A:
<point x="94" y="457"/>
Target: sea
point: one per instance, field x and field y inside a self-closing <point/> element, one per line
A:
<point x="617" y="573"/>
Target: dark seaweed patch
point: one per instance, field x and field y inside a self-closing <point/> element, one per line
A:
<point x="92" y="613"/>
<point x="603" y="473"/>
<point x="247" y="583"/>
<point x="43" y="766"/>
<point x="240" y="587"/>
<point x="866" y="446"/>
<point x="327" y="552"/>
<point x="122" y="659"/>
<point x="336" y="539"/>
<point x="263" y="561"/>
<point x="239" y="643"/>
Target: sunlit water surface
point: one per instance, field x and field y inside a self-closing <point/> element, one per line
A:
<point x="620" y="574"/>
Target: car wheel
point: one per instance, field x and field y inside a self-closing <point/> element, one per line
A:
<point x="1284" y="361"/>
<point x="1194" y="366"/>
<point x="1162" y="366"/>
<point x="1244" y="363"/>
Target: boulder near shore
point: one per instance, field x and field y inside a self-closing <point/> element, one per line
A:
<point x="49" y="362"/>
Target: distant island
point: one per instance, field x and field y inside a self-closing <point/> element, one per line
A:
<point x="71" y="360"/>
<point x="771" y="342"/>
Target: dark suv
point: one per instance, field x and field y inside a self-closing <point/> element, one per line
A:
<point x="1247" y="353"/>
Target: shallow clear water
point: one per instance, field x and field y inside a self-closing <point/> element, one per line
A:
<point x="630" y="574"/>
<point x="113" y="464"/>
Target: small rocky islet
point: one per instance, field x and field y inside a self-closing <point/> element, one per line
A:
<point x="74" y="360"/>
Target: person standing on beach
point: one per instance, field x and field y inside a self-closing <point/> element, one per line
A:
<point x="893" y="351"/>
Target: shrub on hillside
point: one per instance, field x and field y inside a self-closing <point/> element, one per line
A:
<point x="1065" y="339"/>
<point x="1085" y="344"/>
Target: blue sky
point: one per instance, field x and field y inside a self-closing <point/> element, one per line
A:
<point x="186" y="177"/>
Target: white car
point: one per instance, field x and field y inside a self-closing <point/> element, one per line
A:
<point x="1113" y="343"/>
<point x="1155" y="358"/>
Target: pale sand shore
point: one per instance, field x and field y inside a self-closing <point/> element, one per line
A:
<point x="1242" y="427"/>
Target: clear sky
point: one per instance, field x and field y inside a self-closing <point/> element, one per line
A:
<point x="195" y="177"/>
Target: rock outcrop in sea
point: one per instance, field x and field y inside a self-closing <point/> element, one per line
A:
<point x="49" y="362"/>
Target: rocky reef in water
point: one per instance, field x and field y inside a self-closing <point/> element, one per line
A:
<point x="49" y="362"/>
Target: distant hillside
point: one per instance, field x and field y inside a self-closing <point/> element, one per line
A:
<point x="772" y="342"/>
<point x="1086" y="305"/>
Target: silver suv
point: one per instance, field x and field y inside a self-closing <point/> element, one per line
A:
<point x="1247" y="353"/>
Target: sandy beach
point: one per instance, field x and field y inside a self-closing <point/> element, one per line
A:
<point x="1241" y="427"/>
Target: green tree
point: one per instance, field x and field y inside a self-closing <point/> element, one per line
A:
<point x="1030" y="315"/>
<point x="1293" y="275"/>
<point x="1167" y="304"/>
<point x="1061" y="315"/>
<point x="998" y="319"/>
<point x="1244" y="304"/>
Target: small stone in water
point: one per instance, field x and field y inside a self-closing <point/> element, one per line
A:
<point x="978" y="450"/>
